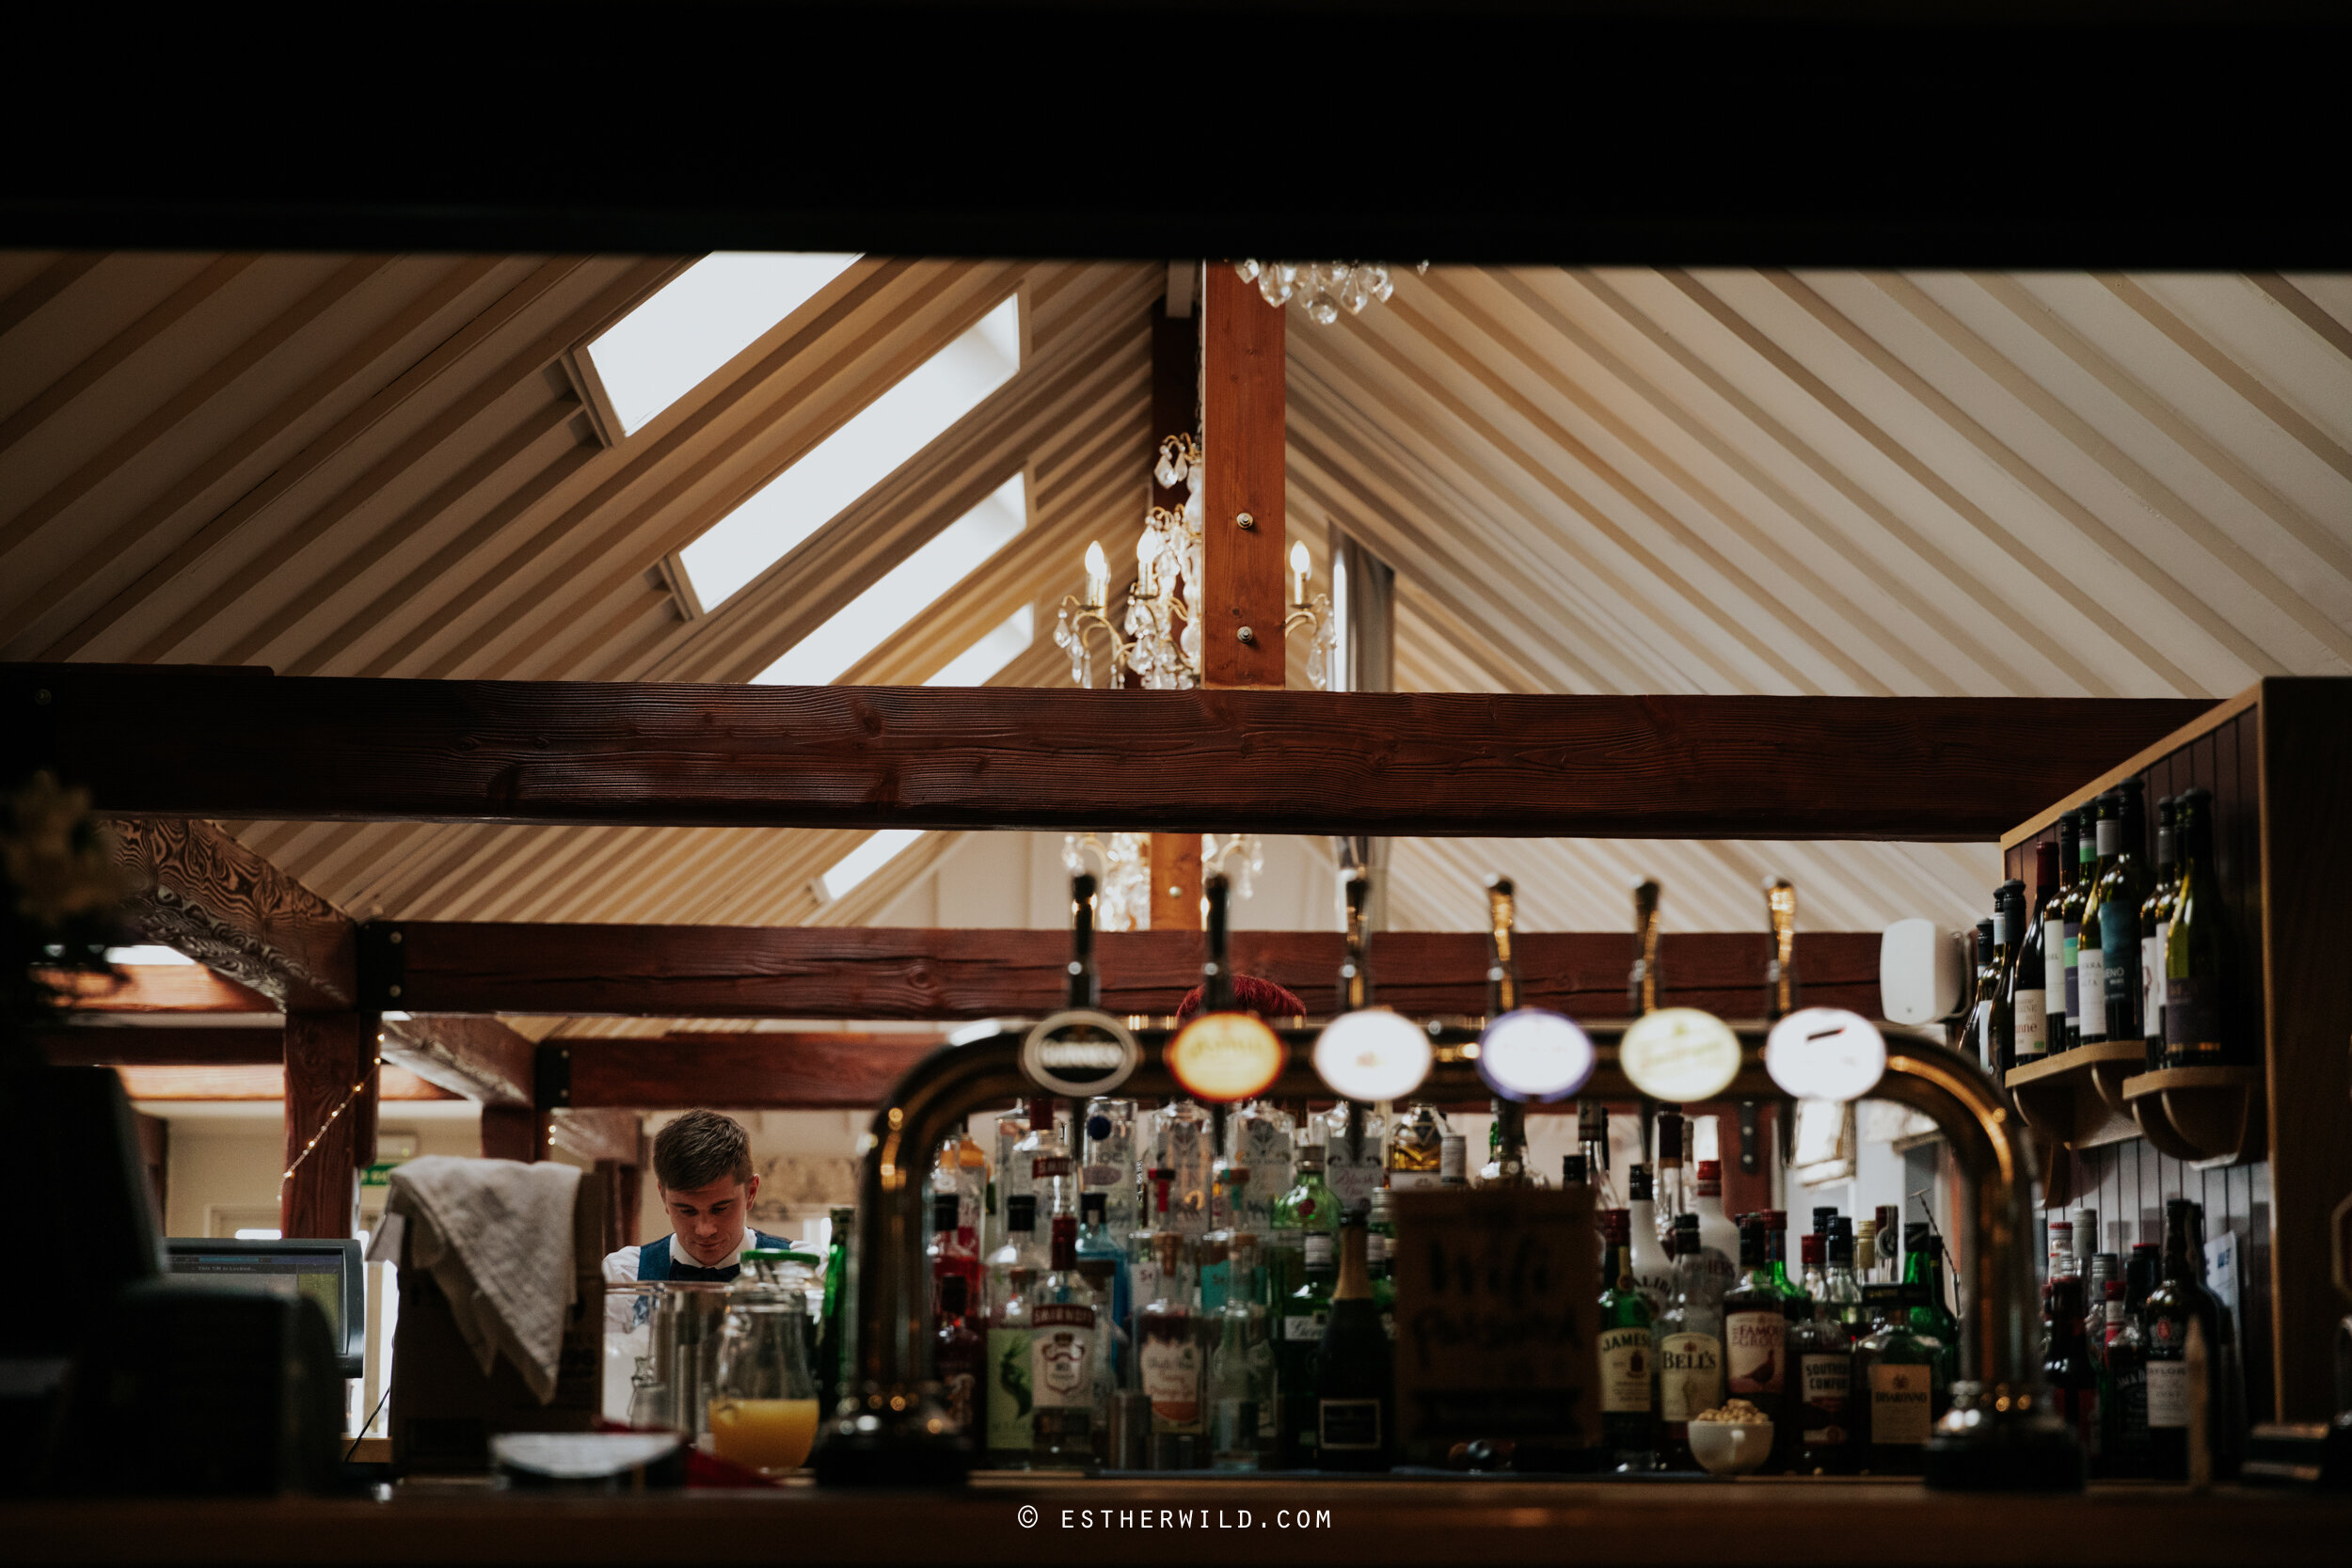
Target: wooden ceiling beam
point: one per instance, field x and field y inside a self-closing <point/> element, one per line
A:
<point x="139" y="991"/>
<point x="186" y="742"/>
<point x="740" y="1072"/>
<point x="169" y="1045"/>
<point x="869" y="973"/>
<point x="600" y="1134"/>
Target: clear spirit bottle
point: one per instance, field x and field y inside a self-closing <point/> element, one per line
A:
<point x="1063" y="1343"/>
<point x="1167" y="1352"/>
<point x="1690" y="1347"/>
<point x="1104" y="1262"/>
<point x="1107" y="1163"/>
<point x="1021" y="1255"/>
<point x="1241" y="1374"/>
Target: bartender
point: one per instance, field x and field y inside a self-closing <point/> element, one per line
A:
<point x="701" y="1165"/>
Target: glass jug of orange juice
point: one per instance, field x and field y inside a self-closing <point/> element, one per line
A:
<point x="763" y="1401"/>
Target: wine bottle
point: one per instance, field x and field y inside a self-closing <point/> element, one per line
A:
<point x="2050" y="886"/>
<point x="2074" y="845"/>
<point x="2029" y="976"/>
<point x="2122" y="889"/>
<point x="1353" y="1383"/>
<point x="2178" y="1302"/>
<point x="1780" y="976"/>
<point x="2196" y="969"/>
<point x="2154" y="914"/>
<point x="2009" y="935"/>
<point x="2090" y="961"/>
<point x="1643" y="981"/>
<point x="1984" y="971"/>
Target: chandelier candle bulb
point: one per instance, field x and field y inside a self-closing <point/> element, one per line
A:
<point x="1098" y="576"/>
<point x="1299" y="566"/>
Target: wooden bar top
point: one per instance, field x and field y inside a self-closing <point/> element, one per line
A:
<point x="1201" y="1519"/>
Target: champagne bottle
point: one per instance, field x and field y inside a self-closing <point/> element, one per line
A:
<point x="2074" y="846"/>
<point x="2028" y="978"/>
<point x="2154" y="916"/>
<point x="2196" y="969"/>
<point x="2122" y="889"/>
<point x="2090" y="961"/>
<point x="1780" y="976"/>
<point x="1643" y="981"/>
<point x="1354" y="1423"/>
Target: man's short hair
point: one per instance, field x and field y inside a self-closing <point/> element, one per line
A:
<point x="701" y="1148"/>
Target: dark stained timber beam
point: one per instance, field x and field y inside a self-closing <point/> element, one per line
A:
<point x="882" y="973"/>
<point x="164" y="1045"/>
<point x="740" y="1072"/>
<point x="187" y="743"/>
<point x="212" y="898"/>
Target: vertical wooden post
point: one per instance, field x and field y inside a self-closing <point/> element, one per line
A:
<point x="1242" y="433"/>
<point x="1175" y="411"/>
<point x="622" y="1191"/>
<point x="326" y="1054"/>
<point x="514" y="1133"/>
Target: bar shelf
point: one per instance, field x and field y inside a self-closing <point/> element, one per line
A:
<point x="2075" y="1097"/>
<point x="2208" y="1116"/>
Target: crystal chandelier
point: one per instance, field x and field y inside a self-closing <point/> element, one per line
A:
<point x="1157" y="637"/>
<point x="1123" y="865"/>
<point x="1325" y="288"/>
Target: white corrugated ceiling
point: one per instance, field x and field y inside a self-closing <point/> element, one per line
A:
<point x="1587" y="480"/>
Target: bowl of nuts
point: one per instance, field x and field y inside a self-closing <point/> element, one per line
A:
<point x="1731" y="1439"/>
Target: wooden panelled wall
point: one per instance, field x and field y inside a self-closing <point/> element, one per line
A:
<point x="2127" y="1183"/>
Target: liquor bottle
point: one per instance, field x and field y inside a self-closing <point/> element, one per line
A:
<point x="1795" y="1302"/>
<point x="1930" y="1314"/>
<point x="1417" y="1149"/>
<point x="1011" y="1178"/>
<point x="1840" y="1290"/>
<point x="1507" y="1142"/>
<point x="1592" y="1141"/>
<point x="1811" y="1254"/>
<point x="1188" y="1150"/>
<point x="1354" y="1423"/>
<point x="1062" y="1346"/>
<point x="2197" y="975"/>
<point x="1104" y="1262"/>
<point x="2067" y="1364"/>
<point x="2179" y="1301"/>
<point x="1309" y="1206"/>
<point x="2097" y="1277"/>
<point x="1896" y="1385"/>
<point x="1865" y="1255"/>
<point x="2124" y="1446"/>
<point x="2123" y="884"/>
<point x="1381" y="1262"/>
<point x="1107" y="1161"/>
<point x="835" y="1374"/>
<point x="1011" y="1394"/>
<point x="1890" y="1238"/>
<point x="1452" y="1160"/>
<point x="1690" y="1348"/>
<point x="2009" y="938"/>
<point x="1652" y="1269"/>
<point x="1168" y="1356"/>
<point x="1780" y="975"/>
<point x="1642" y="985"/>
<point x="1755" y="1334"/>
<point x="1241" y="1372"/>
<point x="2077" y="853"/>
<point x="1674" y="1195"/>
<point x="1353" y="1136"/>
<point x="1719" y="1239"/>
<point x="2141" y="1271"/>
<point x="1985" y="978"/>
<point x="961" y="1170"/>
<point x="2061" y="1259"/>
<point x="948" y="1259"/>
<point x="1045" y="1154"/>
<point x="957" y="1352"/>
<point x="1266" y="1142"/>
<point x="1020" y="1256"/>
<point x="2034" y="1003"/>
<point x="1303" y="1316"/>
<point x="2155" y="914"/>
<point x="1820" y="1359"/>
<point x="1216" y="1252"/>
<point x="1629" y="1425"/>
<point x="2090" y="948"/>
<point x="1143" y="1251"/>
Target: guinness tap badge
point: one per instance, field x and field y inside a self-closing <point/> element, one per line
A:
<point x="1226" y="1057"/>
<point x="1079" y="1054"/>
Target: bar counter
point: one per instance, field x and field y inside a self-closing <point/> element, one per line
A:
<point x="1199" y="1520"/>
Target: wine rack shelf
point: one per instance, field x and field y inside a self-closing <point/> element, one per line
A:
<point x="2076" y="1097"/>
<point x="2207" y="1115"/>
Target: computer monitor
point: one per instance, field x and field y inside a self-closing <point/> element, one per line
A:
<point x="327" y="1271"/>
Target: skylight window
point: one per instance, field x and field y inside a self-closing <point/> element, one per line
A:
<point x="978" y="664"/>
<point x="856" y="457"/>
<point x="904" y="592"/>
<point x="866" y="858"/>
<point x="700" y="320"/>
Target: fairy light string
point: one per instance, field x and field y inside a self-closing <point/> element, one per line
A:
<point x="356" y="1089"/>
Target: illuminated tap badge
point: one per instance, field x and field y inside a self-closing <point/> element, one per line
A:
<point x="1226" y="1056"/>
<point x="1371" y="1055"/>
<point x="1080" y="1053"/>
<point x="1532" y="1054"/>
<point x="1680" y="1055"/>
<point x="1825" y="1054"/>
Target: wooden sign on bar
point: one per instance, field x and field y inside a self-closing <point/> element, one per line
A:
<point x="1496" y="1315"/>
